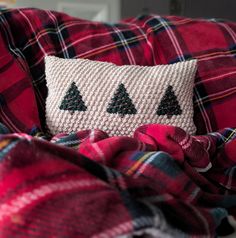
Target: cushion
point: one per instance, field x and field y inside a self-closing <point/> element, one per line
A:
<point x="18" y="107"/>
<point x="86" y="94"/>
<point x="143" y="40"/>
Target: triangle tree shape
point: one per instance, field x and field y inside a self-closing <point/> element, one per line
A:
<point x="169" y="104"/>
<point x="73" y="101"/>
<point x="121" y="103"/>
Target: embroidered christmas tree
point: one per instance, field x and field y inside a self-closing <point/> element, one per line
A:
<point x="121" y="103"/>
<point x="169" y="104"/>
<point x="73" y="101"/>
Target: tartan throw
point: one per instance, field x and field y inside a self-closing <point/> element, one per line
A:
<point x="161" y="183"/>
<point x="30" y="34"/>
<point x="18" y="107"/>
<point x="86" y="94"/>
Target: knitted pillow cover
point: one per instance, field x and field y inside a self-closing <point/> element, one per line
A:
<point x="86" y="94"/>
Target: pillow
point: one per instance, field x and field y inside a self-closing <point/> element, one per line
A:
<point x="86" y="94"/>
<point x="143" y="40"/>
<point x="18" y="107"/>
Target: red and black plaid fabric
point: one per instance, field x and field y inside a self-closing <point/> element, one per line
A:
<point x="162" y="183"/>
<point x="146" y="40"/>
<point x="18" y="107"/>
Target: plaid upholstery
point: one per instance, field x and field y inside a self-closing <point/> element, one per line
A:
<point x="146" y="40"/>
<point x="127" y="185"/>
<point x="18" y="108"/>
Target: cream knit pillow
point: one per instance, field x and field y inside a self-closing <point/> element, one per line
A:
<point x="86" y="94"/>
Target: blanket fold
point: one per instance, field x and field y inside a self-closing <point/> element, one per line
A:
<point x="88" y="184"/>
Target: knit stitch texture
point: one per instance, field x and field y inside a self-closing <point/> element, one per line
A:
<point x="85" y="94"/>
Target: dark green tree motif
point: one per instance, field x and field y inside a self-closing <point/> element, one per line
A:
<point x="121" y="103"/>
<point x="73" y="101"/>
<point x="169" y="104"/>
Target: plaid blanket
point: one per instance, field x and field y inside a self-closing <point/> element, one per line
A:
<point x="30" y="34"/>
<point x="161" y="183"/>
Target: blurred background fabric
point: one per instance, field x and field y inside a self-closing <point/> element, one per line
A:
<point x="114" y="10"/>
